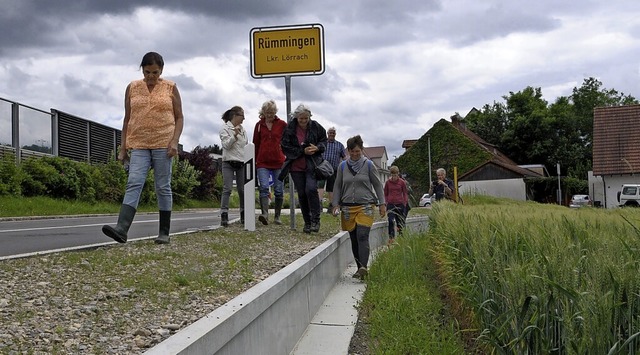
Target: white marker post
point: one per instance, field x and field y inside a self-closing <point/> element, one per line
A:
<point x="249" y="188"/>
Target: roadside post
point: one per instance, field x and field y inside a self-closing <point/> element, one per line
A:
<point x="249" y="188"/>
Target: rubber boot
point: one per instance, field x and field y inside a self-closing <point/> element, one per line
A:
<point x="119" y="232"/>
<point x="165" y="226"/>
<point x="278" y="207"/>
<point x="241" y="217"/>
<point x="224" y="219"/>
<point x="264" y="206"/>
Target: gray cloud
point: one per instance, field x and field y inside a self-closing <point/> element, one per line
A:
<point x="400" y="65"/>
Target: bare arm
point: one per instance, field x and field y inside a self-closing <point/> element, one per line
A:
<point x="123" y="155"/>
<point x="172" y="149"/>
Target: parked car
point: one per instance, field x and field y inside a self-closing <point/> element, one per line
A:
<point x="578" y="201"/>
<point x="629" y="196"/>
<point x="425" y="200"/>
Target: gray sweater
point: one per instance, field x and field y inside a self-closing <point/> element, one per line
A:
<point x="358" y="189"/>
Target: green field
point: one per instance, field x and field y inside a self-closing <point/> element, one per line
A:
<point x="509" y="277"/>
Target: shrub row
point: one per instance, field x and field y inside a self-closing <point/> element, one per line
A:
<point x="64" y="178"/>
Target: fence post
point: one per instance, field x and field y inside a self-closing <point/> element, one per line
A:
<point x="54" y="133"/>
<point x="15" y="130"/>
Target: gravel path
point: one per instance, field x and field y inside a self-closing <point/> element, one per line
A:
<point x="124" y="299"/>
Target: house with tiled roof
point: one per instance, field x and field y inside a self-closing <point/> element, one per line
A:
<point x="498" y="176"/>
<point x="378" y="155"/>
<point x="616" y="152"/>
<point x="408" y="143"/>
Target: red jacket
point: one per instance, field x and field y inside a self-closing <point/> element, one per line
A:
<point x="267" y="142"/>
<point x="396" y="192"/>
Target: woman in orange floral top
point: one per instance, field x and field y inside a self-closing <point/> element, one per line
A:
<point x="151" y="130"/>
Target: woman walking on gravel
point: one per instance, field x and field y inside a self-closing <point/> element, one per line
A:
<point x="234" y="138"/>
<point x="152" y="126"/>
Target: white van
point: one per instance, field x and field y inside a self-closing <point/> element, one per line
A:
<point x="630" y="195"/>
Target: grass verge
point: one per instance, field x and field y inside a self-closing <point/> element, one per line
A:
<point x="402" y="306"/>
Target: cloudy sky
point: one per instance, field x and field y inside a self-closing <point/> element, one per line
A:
<point x="392" y="68"/>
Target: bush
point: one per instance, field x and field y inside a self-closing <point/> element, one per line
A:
<point x="11" y="176"/>
<point x="110" y="180"/>
<point x="200" y="158"/>
<point x="39" y="177"/>
<point x="58" y="177"/>
<point x="184" y="178"/>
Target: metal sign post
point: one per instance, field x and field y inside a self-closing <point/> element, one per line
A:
<point x="292" y="200"/>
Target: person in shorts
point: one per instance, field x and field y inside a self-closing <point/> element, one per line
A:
<point x="334" y="154"/>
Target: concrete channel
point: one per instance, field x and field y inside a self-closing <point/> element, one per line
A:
<point x="276" y="316"/>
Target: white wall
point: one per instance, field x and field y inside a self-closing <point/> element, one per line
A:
<point x="596" y="192"/>
<point x="606" y="188"/>
<point x="509" y="188"/>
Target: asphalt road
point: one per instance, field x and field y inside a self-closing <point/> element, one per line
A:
<point x="42" y="235"/>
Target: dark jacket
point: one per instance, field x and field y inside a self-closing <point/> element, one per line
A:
<point x="292" y="149"/>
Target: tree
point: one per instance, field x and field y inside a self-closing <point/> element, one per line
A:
<point x="200" y="158"/>
<point x="490" y="123"/>
<point x="528" y="130"/>
<point x="528" y="136"/>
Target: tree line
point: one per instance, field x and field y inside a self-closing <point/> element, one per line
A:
<point x="529" y="130"/>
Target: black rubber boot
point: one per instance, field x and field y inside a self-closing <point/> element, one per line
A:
<point x="241" y="217"/>
<point x="264" y="207"/>
<point x="165" y="226"/>
<point x="278" y="207"/>
<point x="224" y="219"/>
<point x="119" y="232"/>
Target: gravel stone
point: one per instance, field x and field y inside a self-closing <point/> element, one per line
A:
<point x="85" y="302"/>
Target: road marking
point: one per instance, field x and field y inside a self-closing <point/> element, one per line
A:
<point x="88" y="225"/>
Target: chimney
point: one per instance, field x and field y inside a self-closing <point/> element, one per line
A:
<point x="456" y="120"/>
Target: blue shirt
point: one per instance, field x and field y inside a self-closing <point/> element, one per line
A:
<point x="334" y="153"/>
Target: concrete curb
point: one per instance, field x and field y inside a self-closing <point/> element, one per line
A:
<point x="272" y="316"/>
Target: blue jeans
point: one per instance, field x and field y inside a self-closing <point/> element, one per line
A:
<point x="395" y="213"/>
<point x="141" y="161"/>
<point x="263" y="181"/>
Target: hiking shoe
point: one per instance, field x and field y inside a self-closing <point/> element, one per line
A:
<point x="307" y="228"/>
<point x="361" y="273"/>
<point x="315" y="227"/>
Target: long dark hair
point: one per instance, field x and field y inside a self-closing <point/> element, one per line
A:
<point x="228" y="114"/>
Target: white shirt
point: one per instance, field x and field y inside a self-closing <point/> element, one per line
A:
<point x="232" y="145"/>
